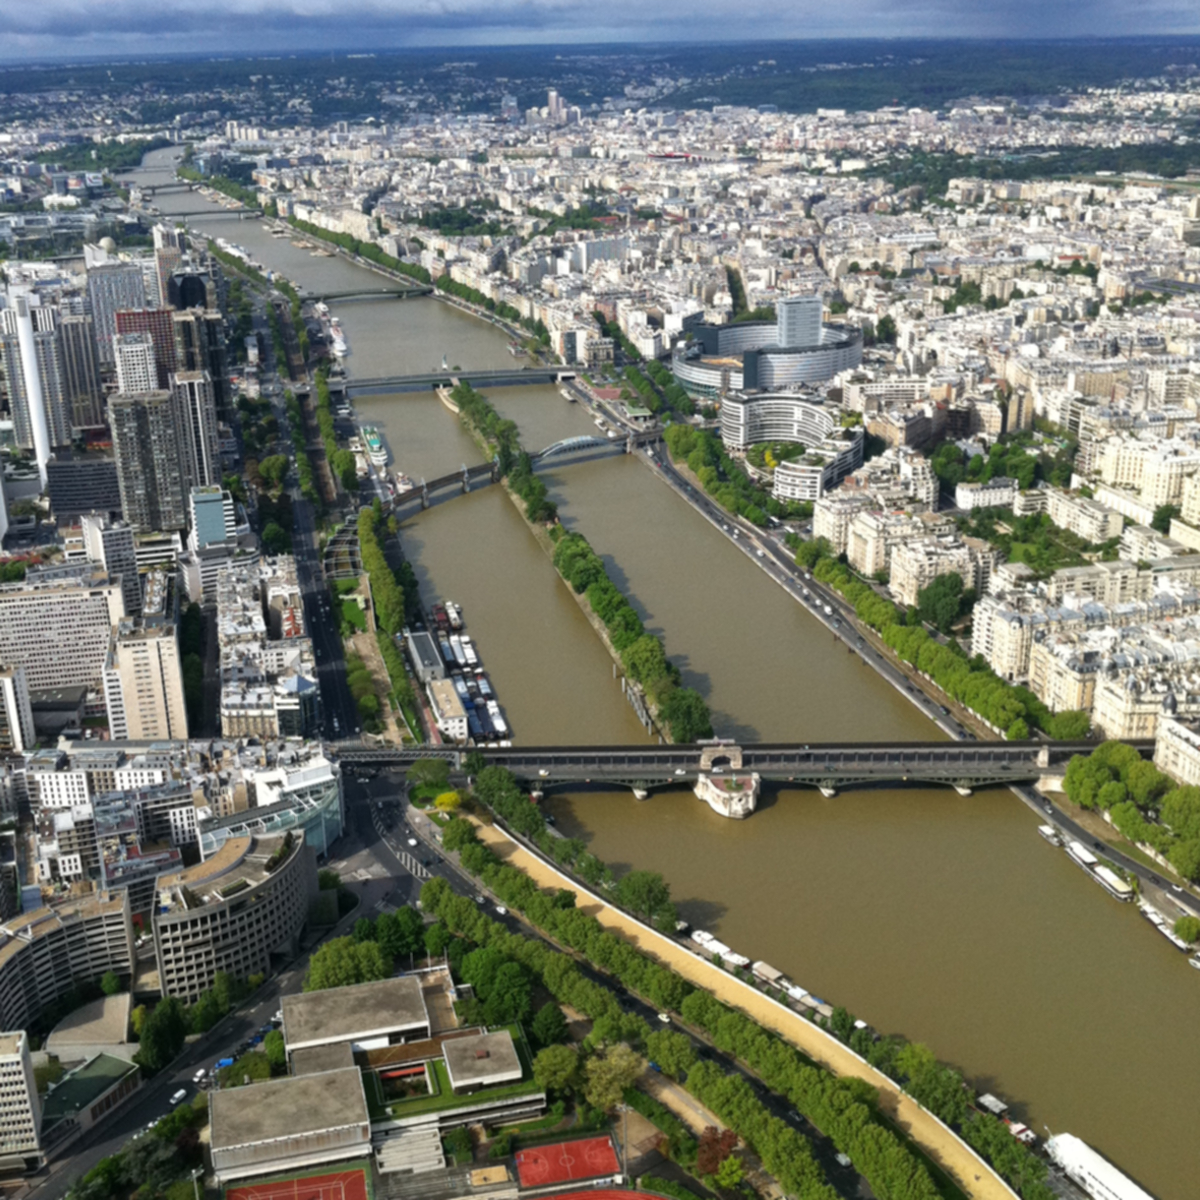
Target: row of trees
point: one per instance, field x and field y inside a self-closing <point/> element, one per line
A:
<point x="1144" y="804"/>
<point x="725" y="480"/>
<point x="341" y="461"/>
<point x="645" y="660"/>
<point x="367" y="250"/>
<point x="386" y="593"/>
<point x="787" y="1155"/>
<point x="844" y="1109"/>
<point x="505" y="311"/>
<point x="660" y="391"/>
<point x="304" y="467"/>
<point x="970" y="681"/>
<point x="611" y="329"/>
<point x="162" y="1030"/>
<point x="226" y="186"/>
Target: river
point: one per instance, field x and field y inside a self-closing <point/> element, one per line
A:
<point x="940" y="917"/>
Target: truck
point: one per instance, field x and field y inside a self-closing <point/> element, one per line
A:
<point x="222" y="1062"/>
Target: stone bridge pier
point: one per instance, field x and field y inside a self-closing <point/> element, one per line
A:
<point x="734" y="795"/>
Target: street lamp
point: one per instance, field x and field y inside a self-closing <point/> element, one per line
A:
<point x="195" y="1185"/>
<point x="623" y="1109"/>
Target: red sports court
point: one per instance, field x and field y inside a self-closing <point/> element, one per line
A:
<point x="566" y="1161"/>
<point x="339" y="1185"/>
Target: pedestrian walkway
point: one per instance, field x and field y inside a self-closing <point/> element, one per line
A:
<point x="973" y="1175"/>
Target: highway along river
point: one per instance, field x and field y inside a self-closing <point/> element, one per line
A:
<point x="940" y="917"/>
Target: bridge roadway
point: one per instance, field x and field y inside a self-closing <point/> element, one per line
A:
<point x="398" y="293"/>
<point x="828" y="765"/>
<point x="422" y="383"/>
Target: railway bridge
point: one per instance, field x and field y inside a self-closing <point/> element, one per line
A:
<point x="424" y="382"/>
<point x="828" y="766"/>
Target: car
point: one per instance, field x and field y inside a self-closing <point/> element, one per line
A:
<point x="1049" y="808"/>
<point x="265" y="1029"/>
<point x="479" y="900"/>
<point x="666" y="1020"/>
<point x="1176" y="888"/>
<point x="199" y="1075"/>
<point x="680" y="771"/>
<point x="178" y="1097"/>
<point x="412" y="841"/>
<point x="762" y="554"/>
<point x="542" y="772"/>
<point x="502" y="910"/>
<point x="278" y="1017"/>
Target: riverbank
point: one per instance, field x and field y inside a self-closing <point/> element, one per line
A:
<point x="974" y="1176"/>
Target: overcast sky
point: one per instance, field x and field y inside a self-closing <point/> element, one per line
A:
<point x="71" y="28"/>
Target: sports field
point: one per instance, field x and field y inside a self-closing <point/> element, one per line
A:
<point x="335" y="1185"/>
<point x="566" y="1161"/>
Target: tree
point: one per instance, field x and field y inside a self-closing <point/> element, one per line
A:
<point x="730" y="1173"/>
<point x="556" y="1068"/>
<point x="273" y="469"/>
<point x="686" y="715"/>
<point x="110" y="983"/>
<point x="275" y="1049"/>
<point x="162" y="1036"/>
<point x="429" y="772"/>
<point x="940" y="602"/>
<point x="447" y="802"/>
<point x="275" y="539"/>
<point x="643" y="892"/>
<point x="364" y="930"/>
<point x="549" y="1026"/>
<point x="343" y="961"/>
<point x="1188" y="928"/>
<point x="609" y="1074"/>
<point x="714" y="1148"/>
<point x="672" y="1051"/>
<point x="1164" y="514"/>
<point x="328" y="880"/>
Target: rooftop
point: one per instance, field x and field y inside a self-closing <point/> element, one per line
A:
<point x="482" y="1059"/>
<point x="361" y="1011"/>
<point x="312" y="1060"/>
<point x="103" y="1021"/>
<point x="81" y="1087"/>
<point x="286" y="1108"/>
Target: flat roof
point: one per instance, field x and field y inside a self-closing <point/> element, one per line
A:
<point x="361" y="1011"/>
<point x="83" y="1086"/>
<point x="285" y="1108"/>
<point x="484" y="1058"/>
<point x="312" y="1060"/>
<point x="102" y="1022"/>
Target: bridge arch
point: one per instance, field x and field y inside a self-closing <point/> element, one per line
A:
<point x="721" y="756"/>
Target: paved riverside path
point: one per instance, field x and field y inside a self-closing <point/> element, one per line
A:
<point x="972" y="1174"/>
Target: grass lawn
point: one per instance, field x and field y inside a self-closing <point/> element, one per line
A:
<point x="353" y="615"/>
<point x="447" y="1098"/>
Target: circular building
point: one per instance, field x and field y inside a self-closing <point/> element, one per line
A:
<point x="797" y="347"/>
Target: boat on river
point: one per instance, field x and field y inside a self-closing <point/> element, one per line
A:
<point x="1050" y="834"/>
<point x="376" y="450"/>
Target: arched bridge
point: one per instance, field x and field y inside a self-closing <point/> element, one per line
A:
<point x="383" y="293"/>
<point x="830" y="766"/>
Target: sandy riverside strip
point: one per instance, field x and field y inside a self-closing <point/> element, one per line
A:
<point x="976" y="1178"/>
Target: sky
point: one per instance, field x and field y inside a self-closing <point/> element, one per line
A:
<point x="85" y="28"/>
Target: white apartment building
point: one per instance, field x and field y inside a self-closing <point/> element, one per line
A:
<point x="996" y="493"/>
<point x="56" y="625"/>
<point x="143" y="684"/>
<point x="833" y="514"/>
<point x="1082" y="517"/>
<point x="20" y="1108"/>
<point x="16" y="716"/>
<point x="1177" y="750"/>
<point x="916" y="564"/>
<point x="137" y="370"/>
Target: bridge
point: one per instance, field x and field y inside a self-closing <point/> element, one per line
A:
<point x="828" y="766"/>
<point x="467" y="478"/>
<point x="219" y="211"/>
<point x="154" y="189"/>
<point x="383" y="293"/>
<point x="422" y="383"/>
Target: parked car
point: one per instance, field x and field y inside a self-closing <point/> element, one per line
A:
<point x="178" y="1097"/>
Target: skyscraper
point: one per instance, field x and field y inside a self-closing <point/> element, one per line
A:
<point x="149" y="465"/>
<point x="83" y="394"/>
<point x="196" y="417"/>
<point x="113" y="286"/>
<point x="29" y="356"/>
<point x="137" y="370"/>
<point x="110" y="544"/>
<point x="200" y="346"/>
<point x="159" y="324"/>
<point x="213" y="519"/>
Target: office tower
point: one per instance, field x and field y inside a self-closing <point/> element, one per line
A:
<point x="83" y="393"/>
<point x="56" y="624"/>
<point x="200" y="346"/>
<point x="148" y="264"/>
<point x="3" y="511"/>
<point x="159" y="324"/>
<point x="82" y="483"/>
<point x="196" y="416"/>
<point x="213" y="518"/>
<point x="192" y="289"/>
<point x="170" y="242"/>
<point x="16" y="715"/>
<point x="20" y="1109"/>
<point x="143" y="684"/>
<point x="113" y="286"/>
<point x="110" y="544"/>
<point x="136" y="369"/>
<point x="149" y="466"/>
<point x="798" y="321"/>
<point x="29" y="355"/>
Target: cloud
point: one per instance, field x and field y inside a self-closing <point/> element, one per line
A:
<point x="99" y="27"/>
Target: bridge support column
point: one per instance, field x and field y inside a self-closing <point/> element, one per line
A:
<point x="734" y="796"/>
<point x="424" y="496"/>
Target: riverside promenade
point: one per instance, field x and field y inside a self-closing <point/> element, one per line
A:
<point x="973" y="1175"/>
